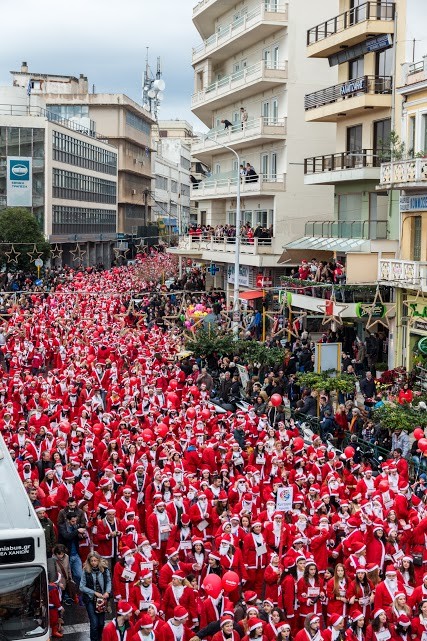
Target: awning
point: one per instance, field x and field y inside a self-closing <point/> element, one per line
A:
<point x="295" y="256"/>
<point x="341" y="245"/>
<point x="250" y="295"/>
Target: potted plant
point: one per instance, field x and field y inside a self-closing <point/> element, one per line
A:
<point x="381" y="367"/>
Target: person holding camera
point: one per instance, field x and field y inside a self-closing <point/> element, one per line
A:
<point x="95" y="586"/>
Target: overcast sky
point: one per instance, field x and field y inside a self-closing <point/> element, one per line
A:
<point x="107" y="39"/>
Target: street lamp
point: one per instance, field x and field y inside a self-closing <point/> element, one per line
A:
<point x="236" y="306"/>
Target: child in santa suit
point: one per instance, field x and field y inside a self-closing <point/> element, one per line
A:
<point x="55" y="607"/>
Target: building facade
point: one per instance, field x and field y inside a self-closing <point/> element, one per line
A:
<point x="251" y="62"/>
<point x="73" y="175"/>
<point x="122" y="121"/>
<point x="407" y="173"/>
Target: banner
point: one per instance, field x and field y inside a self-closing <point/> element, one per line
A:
<point x="284" y="499"/>
<point x="19" y="182"/>
<point x="244" y="376"/>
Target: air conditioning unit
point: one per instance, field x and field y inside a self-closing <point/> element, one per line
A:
<point x="133" y="192"/>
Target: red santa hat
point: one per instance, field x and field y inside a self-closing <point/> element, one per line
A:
<point x="336" y="619"/>
<point x="404" y="621"/>
<point x="357" y="614"/>
<point x="124" y="608"/>
<point x="254" y="623"/>
<point x="225" y="619"/>
<point x="180" y="613"/>
<point x="390" y="569"/>
<point x="145" y="621"/>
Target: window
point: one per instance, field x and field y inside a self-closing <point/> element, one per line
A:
<point x="76" y="152"/>
<point x="135" y="121"/>
<point x="411" y="135"/>
<point x="273" y="165"/>
<point x="72" y="186"/>
<point x="354" y="145"/>
<point x="424" y="138"/>
<point x="416" y="237"/>
<point x="384" y="63"/>
<point x="83" y="220"/>
<point x="356" y="68"/>
<point x="263" y="217"/>
<point x="382" y="131"/>
<point x="349" y="215"/>
<point x="264" y="165"/>
<point x="174" y="186"/>
<point x="23" y="603"/>
<point x="162" y="182"/>
<point x="217" y="168"/>
<point x="231" y="218"/>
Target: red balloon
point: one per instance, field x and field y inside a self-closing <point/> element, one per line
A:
<point x="276" y="400"/>
<point x="212" y="585"/>
<point x="191" y="413"/>
<point x="383" y="486"/>
<point x="173" y="384"/>
<point x="298" y="443"/>
<point x="418" y="433"/>
<point x="173" y="399"/>
<point x="230" y="581"/>
<point x="147" y="434"/>
<point x="206" y="414"/>
<point x="422" y="445"/>
<point x="162" y="429"/>
<point x="349" y="452"/>
<point x="98" y="430"/>
<point x="65" y="428"/>
<point x="194" y="390"/>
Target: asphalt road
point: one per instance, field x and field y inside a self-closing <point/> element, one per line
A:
<point x="76" y="623"/>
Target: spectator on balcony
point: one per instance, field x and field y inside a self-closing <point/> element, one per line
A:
<point x="243" y="117"/>
<point x="226" y="123"/>
<point x="250" y="176"/>
<point x="303" y="270"/>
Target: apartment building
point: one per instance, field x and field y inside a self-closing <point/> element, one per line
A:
<point x="251" y="56"/>
<point x="122" y="121"/>
<point x="172" y="175"/>
<point x="72" y="177"/>
<point x="407" y="173"/>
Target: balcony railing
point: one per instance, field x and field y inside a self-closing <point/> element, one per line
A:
<point x="246" y="21"/>
<point x="413" y="170"/>
<point x="343" y="160"/>
<point x="227" y="244"/>
<point x="367" y="11"/>
<point x="377" y="229"/>
<point x="236" y="133"/>
<point x="403" y="273"/>
<point x="349" y="89"/>
<point x="226" y="184"/>
<point x="236" y="80"/>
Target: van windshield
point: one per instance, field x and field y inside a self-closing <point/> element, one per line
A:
<point x="24" y="608"/>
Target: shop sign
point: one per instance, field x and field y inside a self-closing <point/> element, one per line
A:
<point x="285" y="297"/>
<point x="366" y="310"/>
<point x="422" y="345"/>
<point x="243" y="275"/>
<point x="353" y="86"/>
<point x="263" y="281"/>
<point x="413" y="203"/>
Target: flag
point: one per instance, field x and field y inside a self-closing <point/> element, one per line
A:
<point x="29" y="88"/>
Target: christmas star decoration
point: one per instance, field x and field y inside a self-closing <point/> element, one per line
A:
<point x="77" y="253"/>
<point x="56" y="252"/>
<point x="141" y="248"/>
<point x="34" y="254"/>
<point x="337" y="310"/>
<point x="12" y="255"/>
<point x="372" y="320"/>
<point x="418" y="300"/>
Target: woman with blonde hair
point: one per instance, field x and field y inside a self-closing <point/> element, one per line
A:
<point x="95" y="586"/>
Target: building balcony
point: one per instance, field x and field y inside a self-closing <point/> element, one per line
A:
<point x="225" y="186"/>
<point x="259" y="252"/>
<point x="350" y="28"/>
<point x="355" y="229"/>
<point x="135" y="166"/>
<point x="342" y="167"/>
<point x="411" y="274"/>
<point x="237" y="35"/>
<point x="404" y="174"/>
<point x="262" y="75"/>
<point x="349" y="98"/>
<point x="260" y="130"/>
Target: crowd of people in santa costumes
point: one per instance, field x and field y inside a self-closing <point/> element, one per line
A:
<point x="150" y="502"/>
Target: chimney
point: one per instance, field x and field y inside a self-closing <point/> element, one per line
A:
<point x="24" y="67"/>
<point x="83" y="84"/>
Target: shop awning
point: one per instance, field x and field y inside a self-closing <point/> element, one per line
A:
<point x="250" y="295"/>
<point x="341" y="245"/>
<point x="295" y="256"/>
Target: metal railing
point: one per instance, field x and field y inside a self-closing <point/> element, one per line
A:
<point x="229" y="181"/>
<point x="343" y="229"/>
<point x="228" y="31"/>
<point x="384" y="11"/>
<point x="343" y="160"/>
<point x="238" y="78"/>
<point x="29" y="110"/>
<point x="349" y="89"/>
<point x="234" y="133"/>
<point x="271" y="4"/>
<point x="227" y="244"/>
<point x="415" y="67"/>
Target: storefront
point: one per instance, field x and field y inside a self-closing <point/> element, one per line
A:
<point x="415" y="334"/>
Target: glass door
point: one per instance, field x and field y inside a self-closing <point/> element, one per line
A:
<point x="266" y="112"/>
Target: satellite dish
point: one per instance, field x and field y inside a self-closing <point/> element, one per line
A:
<point x="159" y="84"/>
<point x="160" y="96"/>
<point x="151" y="93"/>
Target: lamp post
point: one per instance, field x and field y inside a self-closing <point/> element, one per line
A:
<point x="236" y="306"/>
